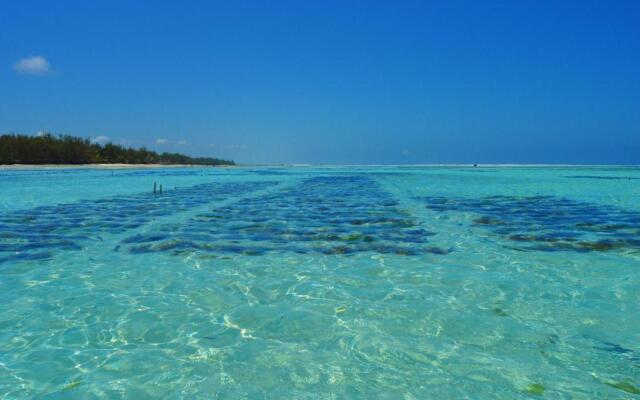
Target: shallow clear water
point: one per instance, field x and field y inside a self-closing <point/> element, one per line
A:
<point x="368" y="282"/>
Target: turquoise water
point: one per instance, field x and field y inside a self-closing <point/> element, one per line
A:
<point x="321" y="283"/>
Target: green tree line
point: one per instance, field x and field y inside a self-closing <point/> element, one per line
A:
<point x="65" y="149"/>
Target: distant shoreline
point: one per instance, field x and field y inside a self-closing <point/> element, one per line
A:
<point x="329" y="166"/>
<point x="107" y="166"/>
<point x="68" y="151"/>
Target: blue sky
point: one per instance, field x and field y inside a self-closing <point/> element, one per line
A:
<point x="331" y="82"/>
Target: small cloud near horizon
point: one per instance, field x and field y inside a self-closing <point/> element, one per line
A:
<point x="100" y="139"/>
<point x="33" y="65"/>
<point x="162" y="141"/>
<point x="183" y="142"/>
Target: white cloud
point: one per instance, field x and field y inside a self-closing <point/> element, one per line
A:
<point x="34" y="65"/>
<point x="405" y="152"/>
<point x="183" y="142"/>
<point x="100" y="139"/>
<point x="162" y="141"/>
<point x="41" y="133"/>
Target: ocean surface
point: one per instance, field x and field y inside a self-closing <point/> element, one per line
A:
<point x="320" y="283"/>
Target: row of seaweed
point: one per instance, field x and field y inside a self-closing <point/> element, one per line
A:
<point x="35" y="233"/>
<point x="333" y="215"/>
<point x="548" y="223"/>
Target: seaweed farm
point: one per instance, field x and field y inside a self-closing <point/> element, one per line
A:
<point x="320" y="283"/>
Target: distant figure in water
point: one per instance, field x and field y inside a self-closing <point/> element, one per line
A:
<point x="475" y="165"/>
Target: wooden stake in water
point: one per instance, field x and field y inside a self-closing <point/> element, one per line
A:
<point x="154" y="188"/>
<point x="161" y="188"/>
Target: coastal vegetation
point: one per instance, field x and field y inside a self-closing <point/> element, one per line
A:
<point x="65" y="149"/>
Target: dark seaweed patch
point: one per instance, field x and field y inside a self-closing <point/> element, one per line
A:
<point x="334" y="215"/>
<point x="25" y="234"/>
<point x="547" y="223"/>
<point x="616" y="348"/>
<point x="500" y="312"/>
